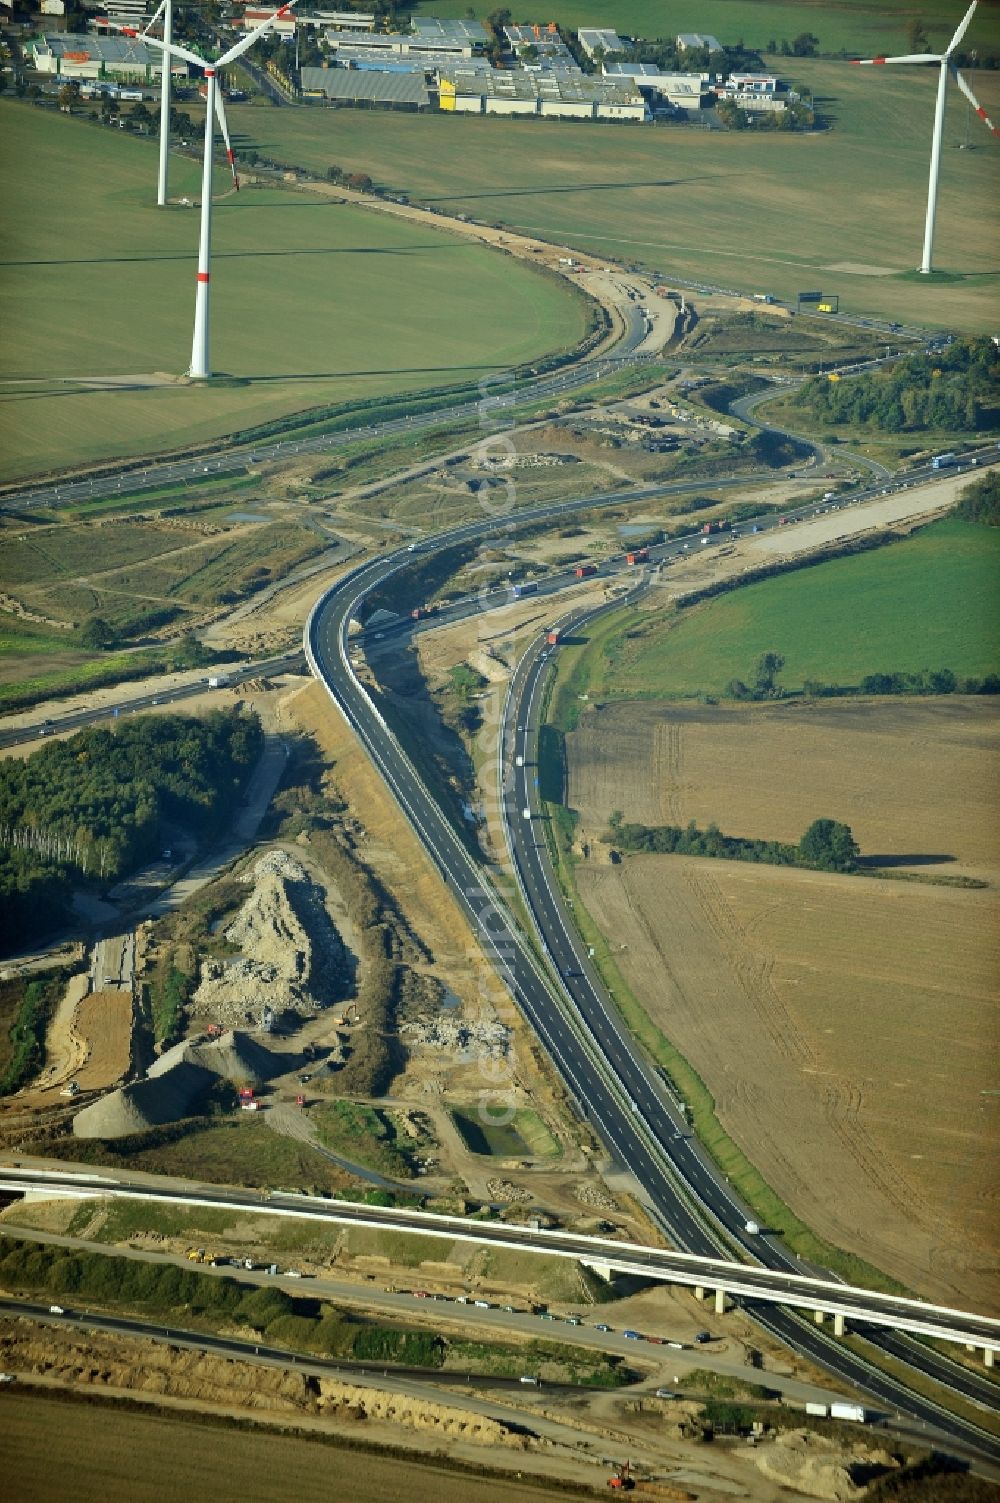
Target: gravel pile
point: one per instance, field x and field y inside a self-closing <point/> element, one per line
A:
<point x="505" y="1193"/>
<point x="462" y="1040"/>
<point x="292" y="956"/>
<point x="174" y="1084"/>
<point x="596" y="1195"/>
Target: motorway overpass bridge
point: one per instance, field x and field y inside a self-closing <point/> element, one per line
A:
<point x="727" y="1279"/>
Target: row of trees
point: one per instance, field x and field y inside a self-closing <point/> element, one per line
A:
<point x="827" y="845"/>
<point x="165" y="1290"/>
<point x="92" y="805"/>
<point x="980" y="501"/>
<point x="957" y="389"/>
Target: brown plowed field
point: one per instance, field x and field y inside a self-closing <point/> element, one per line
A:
<point x="846" y="1026"/>
<point x="843" y="1025"/>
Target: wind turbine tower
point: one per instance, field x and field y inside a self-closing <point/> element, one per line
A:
<point x="943" y="60"/>
<point x="200" y="365"/>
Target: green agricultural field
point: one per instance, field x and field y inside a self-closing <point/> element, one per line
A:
<point x="926" y="602"/>
<point x="776" y="212"/>
<point x="852" y="24"/>
<point x="313" y="301"/>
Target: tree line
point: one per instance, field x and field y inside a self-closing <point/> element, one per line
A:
<point x="91" y="806"/>
<point x="827" y="845"/>
<point x="980" y="501"/>
<point x="957" y="389"/>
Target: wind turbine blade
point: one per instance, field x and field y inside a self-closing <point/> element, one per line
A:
<point x="220" y="111"/>
<point x="973" y="100"/>
<point x="913" y="57"/>
<point x="248" y="41"/>
<point x="175" y="49"/>
<point x="963" y="27"/>
<point x="156" y="16"/>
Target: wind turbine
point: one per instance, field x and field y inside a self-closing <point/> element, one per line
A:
<point x="943" y="59"/>
<point x="199" y="368"/>
<point x="166" y="10"/>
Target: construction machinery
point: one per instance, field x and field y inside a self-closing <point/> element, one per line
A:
<point x="622" y="1481"/>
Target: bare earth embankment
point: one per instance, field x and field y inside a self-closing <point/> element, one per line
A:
<point x="842" y="1023"/>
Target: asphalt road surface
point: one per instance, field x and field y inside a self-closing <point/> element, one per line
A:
<point x="610" y="1084"/>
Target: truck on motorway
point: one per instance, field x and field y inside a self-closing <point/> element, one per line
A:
<point x="526" y="587"/>
<point x="763" y="297"/>
<point x="942" y="461"/>
<point x="218" y="681"/>
<point x="637" y="556"/>
<point x="840" y="1410"/>
<point x="583" y="570"/>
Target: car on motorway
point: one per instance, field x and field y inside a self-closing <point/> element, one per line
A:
<point x="632" y="1335"/>
<point x="602" y="1327"/>
<point x="702" y="1337"/>
<point x="529" y="1381"/>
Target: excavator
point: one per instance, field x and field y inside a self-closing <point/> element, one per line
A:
<point x="622" y="1481"/>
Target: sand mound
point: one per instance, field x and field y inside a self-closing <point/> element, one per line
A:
<point x="174" y="1084"/>
<point x="233" y="1056"/>
<point x="145" y="1104"/>
<point x="291" y="955"/>
<point x="820" y="1466"/>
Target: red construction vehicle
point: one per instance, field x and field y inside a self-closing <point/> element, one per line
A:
<point x="637" y="556"/>
<point x="215" y="1030"/>
<point x="300" y="1101"/>
<point x="622" y="1481"/>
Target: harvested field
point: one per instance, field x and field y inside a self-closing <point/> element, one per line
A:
<point x="914" y="778"/>
<point x="852" y="1002"/>
<point x="840" y="1024"/>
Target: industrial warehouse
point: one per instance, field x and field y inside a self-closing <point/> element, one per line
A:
<point x="461" y="67"/>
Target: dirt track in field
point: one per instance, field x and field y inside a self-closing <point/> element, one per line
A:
<point x="842" y="1025"/>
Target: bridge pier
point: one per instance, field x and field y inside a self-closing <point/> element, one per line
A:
<point x="819" y="1316"/>
<point x="989" y="1356"/>
<point x="603" y="1270"/>
<point x="839" y="1324"/>
<point x="699" y="1291"/>
<point x="720" y="1302"/>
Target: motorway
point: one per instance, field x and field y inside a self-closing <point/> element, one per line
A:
<point x="75" y="721"/>
<point x="345" y="1370"/>
<point x="232" y="459"/>
<point x="575" y="1021"/>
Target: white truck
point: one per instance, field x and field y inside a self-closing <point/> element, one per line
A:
<point x="218" y="681"/>
<point x="844" y="1411"/>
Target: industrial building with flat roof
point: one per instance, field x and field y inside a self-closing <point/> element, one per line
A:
<point x="72" y="55"/>
<point x="430" y="34"/>
<point x="406" y="91"/>
<point x="684" y="91"/>
<point x="547" y="43"/>
<point x="551" y="95"/>
<point x="371" y="60"/>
